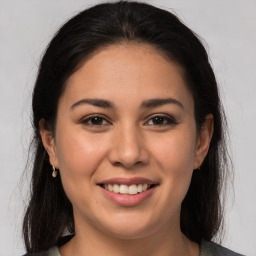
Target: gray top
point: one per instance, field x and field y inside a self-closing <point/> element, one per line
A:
<point x="212" y="249"/>
<point x="206" y="249"/>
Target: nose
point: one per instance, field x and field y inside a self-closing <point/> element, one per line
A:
<point x="127" y="148"/>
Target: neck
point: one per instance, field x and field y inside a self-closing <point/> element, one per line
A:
<point x="167" y="241"/>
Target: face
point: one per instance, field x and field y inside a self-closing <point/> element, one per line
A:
<point x="126" y="142"/>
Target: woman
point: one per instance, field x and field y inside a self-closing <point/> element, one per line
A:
<point x="129" y="139"/>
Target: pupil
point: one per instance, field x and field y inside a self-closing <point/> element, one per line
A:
<point x="158" y="120"/>
<point x="96" y="120"/>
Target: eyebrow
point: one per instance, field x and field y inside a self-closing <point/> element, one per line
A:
<point x="152" y="103"/>
<point x="95" y="102"/>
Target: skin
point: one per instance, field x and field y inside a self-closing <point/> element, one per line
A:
<point x="126" y="141"/>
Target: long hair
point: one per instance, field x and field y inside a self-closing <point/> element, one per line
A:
<point x="49" y="213"/>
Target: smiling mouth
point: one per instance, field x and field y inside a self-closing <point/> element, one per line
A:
<point x="123" y="189"/>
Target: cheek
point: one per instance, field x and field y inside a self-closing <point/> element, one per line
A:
<point x="175" y="156"/>
<point x="78" y="154"/>
<point x="177" y="151"/>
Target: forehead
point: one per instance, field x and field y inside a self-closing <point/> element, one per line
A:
<point x="123" y="70"/>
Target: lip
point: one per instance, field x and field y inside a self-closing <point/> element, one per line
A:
<point x="124" y="199"/>
<point x="128" y="181"/>
<point x="128" y="200"/>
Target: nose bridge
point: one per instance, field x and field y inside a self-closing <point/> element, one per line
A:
<point x="128" y="147"/>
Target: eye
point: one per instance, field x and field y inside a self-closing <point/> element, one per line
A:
<point x="95" y="120"/>
<point x="161" y="120"/>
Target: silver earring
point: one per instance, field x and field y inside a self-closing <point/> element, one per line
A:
<point x="54" y="172"/>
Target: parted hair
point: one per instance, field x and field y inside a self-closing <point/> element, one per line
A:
<point x="49" y="213"/>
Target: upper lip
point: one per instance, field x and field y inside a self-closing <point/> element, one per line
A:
<point x="127" y="181"/>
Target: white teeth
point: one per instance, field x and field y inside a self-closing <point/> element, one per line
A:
<point x="124" y="189"/>
<point x="110" y="187"/>
<point x="144" y="187"/>
<point x="116" y="188"/>
<point x="133" y="190"/>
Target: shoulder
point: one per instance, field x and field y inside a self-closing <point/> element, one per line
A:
<point x="213" y="249"/>
<point x="54" y="251"/>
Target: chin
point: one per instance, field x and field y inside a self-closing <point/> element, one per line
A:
<point x="129" y="234"/>
<point x="130" y="227"/>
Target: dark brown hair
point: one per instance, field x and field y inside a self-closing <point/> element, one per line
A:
<point x="49" y="214"/>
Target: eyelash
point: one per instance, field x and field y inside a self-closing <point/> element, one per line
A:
<point x="166" y="119"/>
<point x="90" y="118"/>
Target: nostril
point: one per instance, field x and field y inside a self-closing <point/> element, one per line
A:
<point x="118" y="164"/>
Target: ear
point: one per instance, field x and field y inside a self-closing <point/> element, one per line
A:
<point x="203" y="141"/>
<point x="49" y="143"/>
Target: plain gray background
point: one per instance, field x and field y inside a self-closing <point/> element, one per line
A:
<point x="229" y="29"/>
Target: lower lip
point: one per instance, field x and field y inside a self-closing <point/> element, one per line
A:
<point x="128" y="200"/>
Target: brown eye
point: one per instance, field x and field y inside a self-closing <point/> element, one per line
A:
<point x="160" y="120"/>
<point x="95" y="121"/>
